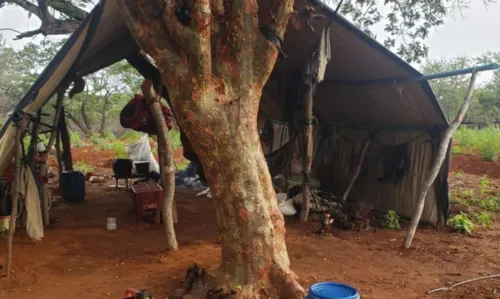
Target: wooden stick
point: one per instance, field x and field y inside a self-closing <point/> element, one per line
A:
<point x="461" y="283"/>
<point x="15" y="196"/>
<point x="306" y="167"/>
<point x="167" y="168"/>
<point x="34" y="141"/>
<point x="436" y="165"/>
<point x="44" y="156"/>
<point x="358" y="170"/>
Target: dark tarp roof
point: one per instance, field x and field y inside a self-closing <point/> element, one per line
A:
<point x="355" y="56"/>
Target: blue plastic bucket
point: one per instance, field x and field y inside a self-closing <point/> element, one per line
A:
<point x="332" y="290"/>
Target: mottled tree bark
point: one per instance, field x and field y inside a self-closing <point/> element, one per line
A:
<point x="214" y="63"/>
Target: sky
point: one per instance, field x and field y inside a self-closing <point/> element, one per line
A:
<point x="473" y="34"/>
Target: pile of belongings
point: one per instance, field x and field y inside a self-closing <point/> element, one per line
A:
<point x="137" y="116"/>
<point x="190" y="180"/>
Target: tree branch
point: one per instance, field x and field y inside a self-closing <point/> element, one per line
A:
<point x="56" y="28"/>
<point x="278" y="20"/>
<point x="152" y="36"/>
<point x="44" y="14"/>
<point x="10" y="29"/>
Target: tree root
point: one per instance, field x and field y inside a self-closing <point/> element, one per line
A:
<point x="288" y="281"/>
<point x="198" y="284"/>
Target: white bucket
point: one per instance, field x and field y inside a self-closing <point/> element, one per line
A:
<point x="111" y="224"/>
<point x="4" y="223"/>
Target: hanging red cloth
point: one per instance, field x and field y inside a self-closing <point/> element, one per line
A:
<point x="137" y="116"/>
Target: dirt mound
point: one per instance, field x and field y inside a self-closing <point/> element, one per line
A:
<point x="475" y="165"/>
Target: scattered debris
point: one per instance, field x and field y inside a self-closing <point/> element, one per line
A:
<point x="461" y="283"/>
<point x="96" y="179"/>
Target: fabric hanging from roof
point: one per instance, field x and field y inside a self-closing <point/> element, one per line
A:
<point x="314" y="72"/>
<point x="137" y="116"/>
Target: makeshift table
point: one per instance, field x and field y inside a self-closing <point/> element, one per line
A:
<point x="148" y="198"/>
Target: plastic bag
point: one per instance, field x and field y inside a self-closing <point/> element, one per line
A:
<point x="140" y="151"/>
<point x="285" y="206"/>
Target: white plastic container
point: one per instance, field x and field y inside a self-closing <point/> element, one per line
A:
<point x="111" y="224"/>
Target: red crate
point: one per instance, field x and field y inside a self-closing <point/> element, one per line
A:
<point x="148" y="197"/>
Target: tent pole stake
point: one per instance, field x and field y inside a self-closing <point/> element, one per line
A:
<point x="438" y="161"/>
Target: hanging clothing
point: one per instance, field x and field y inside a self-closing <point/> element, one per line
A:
<point x="314" y="72"/>
<point x="137" y="116"/>
<point x="29" y="190"/>
<point x="393" y="163"/>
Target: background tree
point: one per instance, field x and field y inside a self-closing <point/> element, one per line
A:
<point x="56" y="16"/>
<point x="485" y="109"/>
<point x="105" y="94"/>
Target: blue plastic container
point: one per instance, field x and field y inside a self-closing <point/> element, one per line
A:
<point x="332" y="290"/>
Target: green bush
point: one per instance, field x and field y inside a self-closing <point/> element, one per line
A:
<point x="391" y="220"/>
<point x="108" y="135"/>
<point x="102" y="143"/>
<point x="119" y="149"/>
<point x="486" y="141"/>
<point x="83" y="167"/>
<point x="461" y="223"/>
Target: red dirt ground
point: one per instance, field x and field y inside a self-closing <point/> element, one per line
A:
<point x="79" y="258"/>
<point x="475" y="165"/>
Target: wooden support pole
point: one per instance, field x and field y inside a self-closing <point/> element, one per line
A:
<point x="33" y="142"/>
<point x="14" y="194"/>
<point x="66" y="156"/>
<point x="358" y="169"/>
<point x="436" y="164"/>
<point x="45" y="155"/>
<point x="167" y="166"/>
<point x="58" y="154"/>
<point x="307" y="163"/>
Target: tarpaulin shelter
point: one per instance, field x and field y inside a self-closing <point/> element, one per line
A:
<point x="359" y="96"/>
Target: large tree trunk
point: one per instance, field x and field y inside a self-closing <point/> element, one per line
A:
<point x="104" y="111"/>
<point x="214" y="73"/>
<point x="84" y="114"/>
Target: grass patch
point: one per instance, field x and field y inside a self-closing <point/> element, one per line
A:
<point x="491" y="203"/>
<point x="131" y="136"/>
<point x="75" y="139"/>
<point x="483" y="219"/>
<point x="83" y="167"/>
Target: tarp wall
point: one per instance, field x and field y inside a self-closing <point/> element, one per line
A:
<point x="335" y="158"/>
